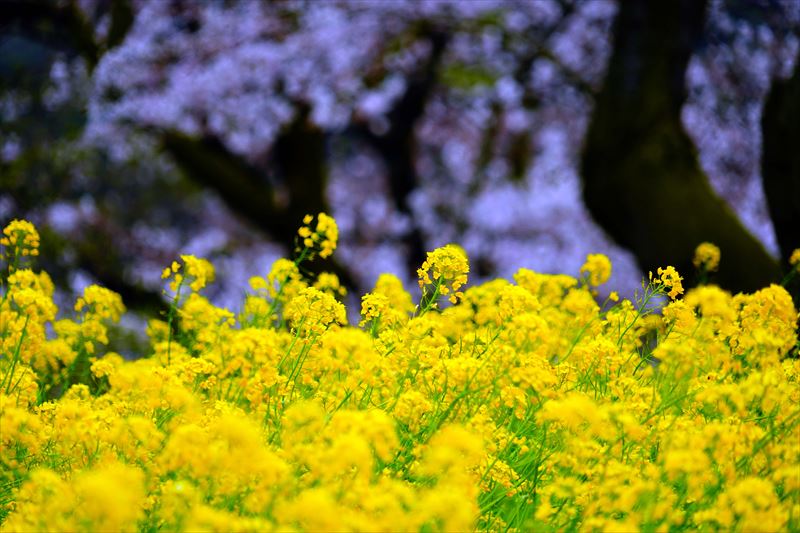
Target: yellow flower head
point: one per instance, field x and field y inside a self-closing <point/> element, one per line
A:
<point x="373" y="306"/>
<point x="283" y="282"/>
<point x="200" y="271"/>
<point x="669" y="278"/>
<point x="598" y="269"/>
<point x="20" y="238"/>
<point x="706" y="257"/>
<point x="388" y="305"/>
<point x="32" y="293"/>
<point x="390" y="286"/>
<point x="100" y="303"/>
<point x="313" y="311"/>
<point x="445" y="269"/>
<point x="451" y="452"/>
<point x="515" y="301"/>
<point x="111" y="496"/>
<point x="322" y="238"/>
<point x="794" y="259"/>
<point x="328" y="282"/>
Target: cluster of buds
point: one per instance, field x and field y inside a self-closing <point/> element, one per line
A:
<point x="200" y="273"/>
<point x="322" y="239"/>
<point x="19" y="239"/>
<point x="444" y="272"/>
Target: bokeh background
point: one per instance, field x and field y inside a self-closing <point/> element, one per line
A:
<point x="532" y="132"/>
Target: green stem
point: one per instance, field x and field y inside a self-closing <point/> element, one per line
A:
<point x="9" y="375"/>
<point x="172" y="308"/>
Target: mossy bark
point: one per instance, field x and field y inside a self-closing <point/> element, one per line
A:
<point x="642" y="179"/>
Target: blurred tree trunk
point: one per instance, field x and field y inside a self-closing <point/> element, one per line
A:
<point x="780" y="165"/>
<point x="397" y="146"/>
<point x="642" y="180"/>
<point x="300" y="160"/>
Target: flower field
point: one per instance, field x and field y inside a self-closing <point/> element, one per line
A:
<point x="519" y="404"/>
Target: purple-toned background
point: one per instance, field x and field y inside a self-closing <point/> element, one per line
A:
<point x="496" y="147"/>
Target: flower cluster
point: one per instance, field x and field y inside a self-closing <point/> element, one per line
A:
<point x="444" y="272"/>
<point x="524" y="406"/>
<point x="22" y="236"/>
<point x="794" y="259"/>
<point x="322" y="239"/>
<point x="19" y="239"/>
<point x="96" y="307"/>
<point x="706" y="257"/>
<point x="597" y="269"/>
<point x="670" y="280"/>
<point x="100" y="303"/>
<point x="198" y="272"/>
<point x="314" y="310"/>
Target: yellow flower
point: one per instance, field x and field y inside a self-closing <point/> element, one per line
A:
<point x="313" y="311"/>
<point x="373" y="306"/>
<point x="451" y="453"/>
<point x="574" y="411"/>
<point x="390" y="286"/>
<point x="33" y="294"/>
<point x="411" y="408"/>
<point x="328" y="282"/>
<point x="706" y="257"/>
<point x="21" y="236"/>
<point x="669" y="278"/>
<point x="314" y="509"/>
<point x="387" y="306"/>
<point x="100" y="303"/>
<point x="284" y="278"/>
<point x="449" y="267"/>
<point x="597" y="268"/>
<point x="516" y="301"/>
<point x="322" y="238"/>
<point x="751" y="504"/>
<point x="110" y="497"/>
<point x="107" y="498"/>
<point x="794" y="259"/>
<point x="767" y="323"/>
<point x="200" y="270"/>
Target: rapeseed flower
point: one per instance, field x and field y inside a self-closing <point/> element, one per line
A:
<point x="20" y="239"/>
<point x="526" y="407"/>
<point x="794" y="259"/>
<point x="597" y="269"/>
<point x="706" y="257"/>
<point x="670" y="280"/>
<point x="323" y="238"/>
<point x="444" y="272"/>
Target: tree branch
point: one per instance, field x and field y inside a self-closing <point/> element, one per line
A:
<point x="397" y="147"/>
<point x="299" y="158"/>
<point x="242" y="187"/>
